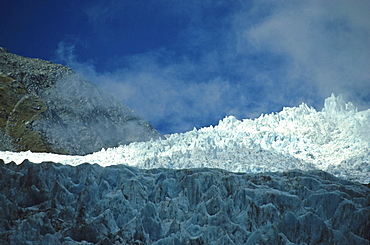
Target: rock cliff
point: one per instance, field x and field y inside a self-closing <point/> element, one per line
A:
<point x="47" y="107"/>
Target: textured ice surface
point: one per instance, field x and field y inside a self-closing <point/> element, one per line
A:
<point x="163" y="192"/>
<point x="51" y="203"/>
<point x="336" y="139"/>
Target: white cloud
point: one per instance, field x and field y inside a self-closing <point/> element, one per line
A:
<point x="327" y="42"/>
<point x="158" y="92"/>
<point x="256" y="59"/>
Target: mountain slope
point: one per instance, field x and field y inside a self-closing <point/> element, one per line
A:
<point x="47" y="107"/>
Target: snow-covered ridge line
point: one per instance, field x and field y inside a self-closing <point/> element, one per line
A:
<point x="336" y="139"/>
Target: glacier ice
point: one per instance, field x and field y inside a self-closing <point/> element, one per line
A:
<point x="51" y="203"/>
<point x="336" y="139"/>
<point x="245" y="181"/>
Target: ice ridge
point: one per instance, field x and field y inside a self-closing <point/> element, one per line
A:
<point x="335" y="139"/>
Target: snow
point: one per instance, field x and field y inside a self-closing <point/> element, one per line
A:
<point x="336" y="139"/>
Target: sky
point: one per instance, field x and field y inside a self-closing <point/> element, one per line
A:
<point x="185" y="64"/>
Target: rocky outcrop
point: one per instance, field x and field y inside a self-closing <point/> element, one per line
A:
<point x="46" y="107"/>
<point x="51" y="203"/>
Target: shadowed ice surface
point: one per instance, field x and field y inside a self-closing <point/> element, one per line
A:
<point x="89" y="204"/>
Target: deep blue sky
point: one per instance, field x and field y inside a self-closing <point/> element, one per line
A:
<point x="185" y="64"/>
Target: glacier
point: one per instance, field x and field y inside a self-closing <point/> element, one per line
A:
<point x="335" y="139"/>
<point x="52" y="203"/>
<point x="299" y="176"/>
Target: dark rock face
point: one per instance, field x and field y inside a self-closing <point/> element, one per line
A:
<point x="50" y="203"/>
<point x="49" y="108"/>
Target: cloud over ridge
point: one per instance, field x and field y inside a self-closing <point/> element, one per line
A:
<point x="239" y="59"/>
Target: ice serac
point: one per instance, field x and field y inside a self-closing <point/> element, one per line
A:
<point x="334" y="105"/>
<point x="336" y="140"/>
<point x="47" y="107"/>
<point x="51" y="203"/>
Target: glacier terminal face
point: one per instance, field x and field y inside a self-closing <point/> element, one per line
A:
<point x="51" y="203"/>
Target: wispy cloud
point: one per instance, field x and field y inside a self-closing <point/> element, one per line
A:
<point x="327" y="43"/>
<point x="247" y="59"/>
<point x="161" y="93"/>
